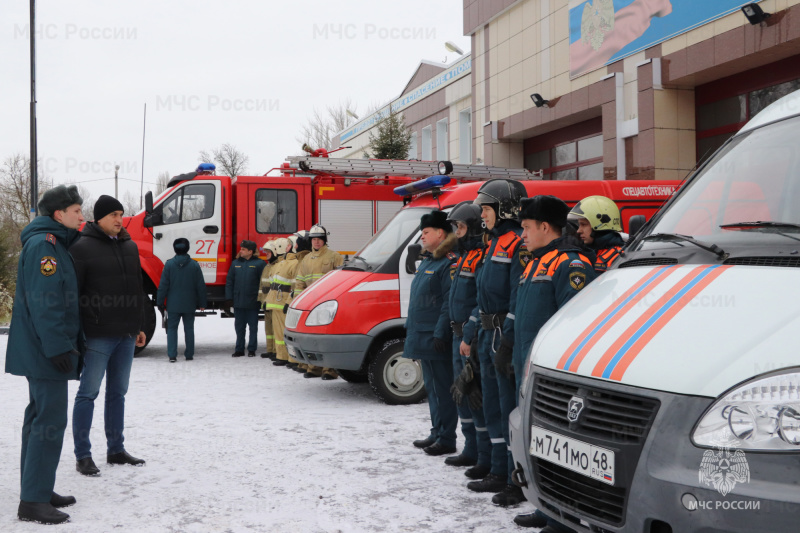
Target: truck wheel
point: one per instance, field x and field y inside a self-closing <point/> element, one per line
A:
<point x="395" y="379"/>
<point x="353" y="376"/>
<point x="149" y="324"/>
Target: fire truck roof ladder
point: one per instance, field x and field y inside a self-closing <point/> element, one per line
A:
<point x="398" y="167"/>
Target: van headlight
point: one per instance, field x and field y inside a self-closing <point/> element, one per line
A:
<point x="762" y="414"/>
<point x="323" y="314"/>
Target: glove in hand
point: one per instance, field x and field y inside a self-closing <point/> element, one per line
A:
<point x="503" y="359"/>
<point x="439" y="345"/>
<point x="63" y="362"/>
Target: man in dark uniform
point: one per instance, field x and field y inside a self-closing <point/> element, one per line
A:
<point x="428" y="334"/>
<point x="598" y="225"/>
<point x="44" y="345"/>
<point x="466" y="221"/>
<point x="497" y="288"/>
<point x="559" y="268"/>
<point x="241" y="293"/>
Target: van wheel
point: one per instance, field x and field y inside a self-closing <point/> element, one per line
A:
<point x="396" y="380"/>
<point x="149" y="324"/>
<point x="353" y="376"/>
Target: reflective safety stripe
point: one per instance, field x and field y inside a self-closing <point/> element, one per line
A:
<point x="281" y="280"/>
<point x="467" y="274"/>
<point x="501" y="259"/>
<point x="270" y="336"/>
<point x="279" y="342"/>
<point x="480" y="429"/>
<point x="466" y="420"/>
<point x="498" y="441"/>
<point x="511" y="316"/>
<point x="541" y="279"/>
<point x="279" y="307"/>
<point x="473" y="319"/>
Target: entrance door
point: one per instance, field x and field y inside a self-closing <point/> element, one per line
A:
<point x="193" y="211"/>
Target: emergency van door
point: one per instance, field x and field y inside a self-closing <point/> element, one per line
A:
<point x="406" y="277"/>
<point x="193" y="211"/>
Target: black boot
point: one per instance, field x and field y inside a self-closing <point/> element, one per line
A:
<point x="41" y="512"/>
<point x="424" y="443"/>
<point x="460" y="460"/>
<point x="123" y="458"/>
<point x="439" y="449"/>
<point x="510" y="496"/>
<point x="534" y="519"/>
<point x="251" y="353"/>
<point x="87" y="467"/>
<point x="491" y="483"/>
<point x="237" y="354"/>
<point x="58" y="501"/>
<point x="280" y="362"/>
<point x="477" y="472"/>
<point x="265" y="355"/>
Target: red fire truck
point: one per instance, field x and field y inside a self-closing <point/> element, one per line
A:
<point x="353" y="319"/>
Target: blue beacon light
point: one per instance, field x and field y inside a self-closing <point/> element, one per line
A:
<point x="419" y="186"/>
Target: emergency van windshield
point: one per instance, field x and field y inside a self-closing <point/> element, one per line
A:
<point x="392" y="236"/>
<point x="748" y="195"/>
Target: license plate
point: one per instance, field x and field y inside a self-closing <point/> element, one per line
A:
<point x="587" y="459"/>
<point x="291" y="350"/>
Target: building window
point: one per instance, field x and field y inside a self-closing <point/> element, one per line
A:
<point x="412" y="147"/>
<point x="276" y="211"/>
<point x="427" y="147"/>
<point x="441" y="140"/>
<point x="465" y="136"/>
<point x="579" y="159"/>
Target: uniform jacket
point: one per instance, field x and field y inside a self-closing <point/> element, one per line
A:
<point x="502" y="267"/>
<point x="182" y="287"/>
<point x="555" y="274"/>
<point x="45" y="321"/>
<point x="463" y="290"/>
<point x="608" y="248"/>
<point x="264" y="283"/>
<point x="428" y="305"/>
<point x="110" y="281"/>
<point x="283" y="274"/>
<point x="314" y="266"/>
<point x="241" y="285"/>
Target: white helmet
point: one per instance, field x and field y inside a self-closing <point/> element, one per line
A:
<point x="318" y="231"/>
<point x="281" y="245"/>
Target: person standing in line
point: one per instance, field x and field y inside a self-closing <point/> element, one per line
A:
<point x="112" y="310"/>
<point x="301" y="246"/>
<point x="241" y="293"/>
<point x="428" y="333"/>
<point x="319" y="262"/>
<point x="280" y="294"/>
<point x="263" y="291"/>
<point x="181" y="291"/>
<point x="44" y="344"/>
<point x="599" y="225"/>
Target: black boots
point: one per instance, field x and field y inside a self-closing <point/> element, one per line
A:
<point x="87" y="467"/>
<point x="237" y="354"/>
<point x="123" y="458"/>
<point x="491" y="483"/>
<point x="42" y="512"/>
<point x="58" y="501"/>
<point x="251" y="353"/>
<point x="424" y="443"/>
<point x="460" y="460"/>
<point x="439" y="449"/>
<point x="508" y="497"/>
<point x="477" y="471"/>
<point x="534" y="519"/>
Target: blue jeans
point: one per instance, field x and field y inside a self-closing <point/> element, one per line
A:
<point x="242" y="318"/>
<point x="173" y="320"/>
<point x="112" y="357"/>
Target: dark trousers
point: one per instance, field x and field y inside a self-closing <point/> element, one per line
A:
<point x="438" y="377"/>
<point x="42" y="438"/>
<point x="245" y="318"/>
<point x="491" y="404"/>
<point x="173" y="320"/>
<point x="473" y="426"/>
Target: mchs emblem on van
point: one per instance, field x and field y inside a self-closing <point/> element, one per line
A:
<point x="575" y="408"/>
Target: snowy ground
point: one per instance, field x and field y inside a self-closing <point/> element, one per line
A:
<point x="240" y="445"/>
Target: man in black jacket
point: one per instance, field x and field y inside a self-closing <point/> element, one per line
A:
<point x="112" y="311"/>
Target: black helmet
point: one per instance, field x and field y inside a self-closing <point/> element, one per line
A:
<point x="470" y="214"/>
<point x="503" y="195"/>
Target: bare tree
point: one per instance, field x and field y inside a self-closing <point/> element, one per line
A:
<point x="87" y="208"/>
<point x="15" y="192"/>
<point x="320" y="130"/>
<point x="161" y="182"/>
<point x="228" y="159"/>
<point x="130" y="203"/>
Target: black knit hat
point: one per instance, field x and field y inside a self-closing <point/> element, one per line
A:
<point x="545" y="209"/>
<point x="106" y="204"/>
<point x="181" y="245"/>
<point x="250" y="245"/>
<point x="59" y="198"/>
<point x="435" y="219"/>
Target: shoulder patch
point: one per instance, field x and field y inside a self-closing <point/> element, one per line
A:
<point x="524" y="257"/>
<point x="50" y="238"/>
<point x="48" y="265"/>
<point x="576" y="263"/>
<point x="577" y="280"/>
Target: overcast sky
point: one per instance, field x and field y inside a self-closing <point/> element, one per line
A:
<point x="244" y="72"/>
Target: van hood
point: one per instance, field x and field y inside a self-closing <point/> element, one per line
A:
<point x="692" y="329"/>
<point x="329" y="287"/>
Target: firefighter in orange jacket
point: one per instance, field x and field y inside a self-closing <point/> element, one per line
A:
<point x="599" y="225"/>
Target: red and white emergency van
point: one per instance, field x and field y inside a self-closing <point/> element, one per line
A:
<point x="353" y="318"/>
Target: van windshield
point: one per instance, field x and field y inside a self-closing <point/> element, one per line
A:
<point x="386" y="242"/>
<point x="749" y="194"/>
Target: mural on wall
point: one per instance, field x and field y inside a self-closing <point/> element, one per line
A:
<point x="604" y="31"/>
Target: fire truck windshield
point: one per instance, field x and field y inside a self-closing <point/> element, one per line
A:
<point x="394" y="234"/>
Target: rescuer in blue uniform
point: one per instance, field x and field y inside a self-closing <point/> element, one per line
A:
<point x="559" y="268"/>
<point x="428" y="333"/>
<point x="45" y="345"/>
<point x="466" y="221"/>
<point x="497" y="287"/>
<point x="241" y="293"/>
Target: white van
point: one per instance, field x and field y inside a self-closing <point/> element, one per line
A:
<point x="665" y="397"/>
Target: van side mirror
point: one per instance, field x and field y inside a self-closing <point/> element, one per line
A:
<point x="635" y="224"/>
<point x="148" y="210"/>
<point x="411" y="259"/>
